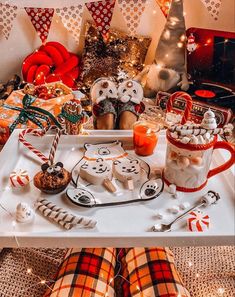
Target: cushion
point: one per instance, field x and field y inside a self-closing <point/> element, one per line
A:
<point x="120" y="53"/>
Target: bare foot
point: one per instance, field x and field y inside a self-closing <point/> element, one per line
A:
<point x="127" y="120"/>
<point x="105" y="122"/>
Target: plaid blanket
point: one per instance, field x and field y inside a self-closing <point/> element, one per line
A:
<point x="144" y="272"/>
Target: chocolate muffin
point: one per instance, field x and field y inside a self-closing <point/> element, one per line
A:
<point x="52" y="179"/>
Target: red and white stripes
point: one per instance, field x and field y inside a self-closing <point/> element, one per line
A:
<point x="40" y="133"/>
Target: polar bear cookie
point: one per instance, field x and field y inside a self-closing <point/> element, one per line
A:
<point x="127" y="171"/>
<point x="96" y="171"/>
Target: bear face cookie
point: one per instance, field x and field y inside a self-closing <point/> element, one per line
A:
<point x="98" y="172"/>
<point x="127" y="171"/>
<point x="130" y="90"/>
<point x="102" y="89"/>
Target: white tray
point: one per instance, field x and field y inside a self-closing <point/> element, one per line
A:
<point x="118" y="226"/>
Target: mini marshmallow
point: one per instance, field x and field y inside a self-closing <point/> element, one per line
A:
<point x="185" y="140"/>
<point x="176" y="195"/>
<point x="175" y="135"/>
<point x="194" y="139"/>
<point x="207" y="137"/>
<point x="157" y="227"/>
<point x="184" y="205"/>
<point x="172" y="189"/>
<point x="174" y="209"/>
<point x="201" y="140"/>
<point x="159" y="215"/>
<point x="210" y="198"/>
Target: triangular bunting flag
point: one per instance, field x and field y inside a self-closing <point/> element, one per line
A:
<point x="132" y="11"/>
<point x="102" y="12"/>
<point x="7" y="15"/>
<point x="164" y="5"/>
<point x="41" y="19"/>
<point x="213" y="7"/>
<point x="71" y="18"/>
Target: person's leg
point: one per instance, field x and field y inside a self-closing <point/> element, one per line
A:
<point x="150" y="272"/>
<point x="85" y="272"/>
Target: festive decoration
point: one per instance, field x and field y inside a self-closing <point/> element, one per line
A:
<point x="41" y="19"/>
<point x="120" y="52"/>
<point x="198" y="221"/>
<point x="164" y="5"/>
<point x="62" y="217"/>
<point x="102" y="12"/>
<point x="189" y="154"/>
<point x="189" y="104"/>
<point x="191" y="45"/>
<point x="168" y="69"/>
<point x="132" y="11"/>
<point x="7" y="15"/>
<point x="71" y="17"/>
<point x="53" y="178"/>
<point x="209" y="120"/>
<point x="51" y="63"/>
<point x="24" y="213"/>
<point x="73" y="116"/>
<point x="19" y="178"/>
<point x="213" y="7"/>
<point x="130" y="104"/>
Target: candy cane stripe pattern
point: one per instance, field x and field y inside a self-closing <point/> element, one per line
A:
<point x="29" y="145"/>
<point x="189" y="104"/>
<point x="198" y="222"/>
<point x="19" y="178"/>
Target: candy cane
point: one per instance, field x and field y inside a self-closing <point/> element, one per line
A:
<point x="189" y="104"/>
<point x="54" y="145"/>
<point x="29" y="145"/>
<point x="41" y="133"/>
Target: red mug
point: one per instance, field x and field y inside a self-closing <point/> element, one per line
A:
<point x="188" y="165"/>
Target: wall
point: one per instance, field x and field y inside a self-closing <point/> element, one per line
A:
<point x="23" y="39"/>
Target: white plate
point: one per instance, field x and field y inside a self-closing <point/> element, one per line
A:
<point x="119" y="226"/>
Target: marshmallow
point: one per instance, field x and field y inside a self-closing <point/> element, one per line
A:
<point x="157" y="227"/>
<point x="201" y="140"/>
<point x="159" y="215"/>
<point x="210" y="198"/>
<point x="24" y="213"/>
<point x="194" y="139"/>
<point x="185" y="140"/>
<point x="184" y="205"/>
<point x="172" y="189"/>
<point x="174" y="209"/>
<point x="174" y="135"/>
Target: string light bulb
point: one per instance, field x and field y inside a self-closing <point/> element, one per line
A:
<point x="29" y="270"/>
<point x="43" y="282"/>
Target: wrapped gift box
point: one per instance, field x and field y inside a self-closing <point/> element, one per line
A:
<point x="8" y="116"/>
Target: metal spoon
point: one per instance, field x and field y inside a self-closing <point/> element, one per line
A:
<point x="210" y="198"/>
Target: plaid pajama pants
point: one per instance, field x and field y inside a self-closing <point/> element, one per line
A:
<point x="137" y="272"/>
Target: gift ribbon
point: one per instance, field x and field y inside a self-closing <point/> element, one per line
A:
<point x="73" y="118"/>
<point x="31" y="113"/>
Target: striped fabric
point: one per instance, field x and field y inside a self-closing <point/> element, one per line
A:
<point x="143" y="272"/>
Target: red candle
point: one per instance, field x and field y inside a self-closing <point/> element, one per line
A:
<point x="144" y="138"/>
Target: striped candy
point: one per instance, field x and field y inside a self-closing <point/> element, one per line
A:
<point x="198" y="221"/>
<point x="19" y="178"/>
<point x="189" y="104"/>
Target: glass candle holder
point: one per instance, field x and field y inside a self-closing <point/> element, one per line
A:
<point x="145" y="137"/>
